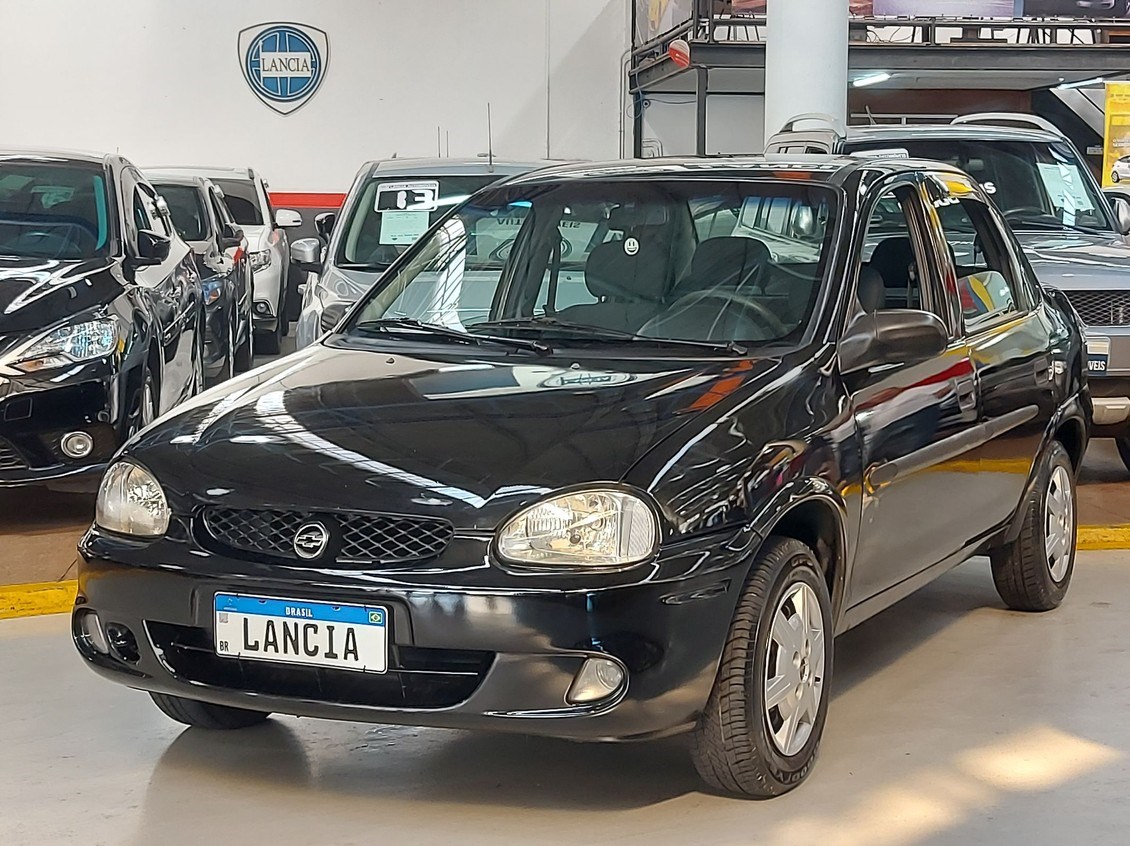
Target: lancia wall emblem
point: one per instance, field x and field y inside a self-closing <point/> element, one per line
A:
<point x="311" y="540"/>
<point x="284" y="63"/>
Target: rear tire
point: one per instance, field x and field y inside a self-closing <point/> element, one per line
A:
<point x="206" y="715"/>
<point x="1033" y="572"/>
<point x="741" y="745"/>
<point x="244" y="356"/>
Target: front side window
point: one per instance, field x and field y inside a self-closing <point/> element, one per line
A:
<point x="242" y="201"/>
<point x="390" y="212"/>
<point x="53" y="210"/>
<point x="621" y="262"/>
<point x="187" y="210"/>
<point x="1036" y="185"/>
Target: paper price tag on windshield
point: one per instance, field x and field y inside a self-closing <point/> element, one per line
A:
<point x="417" y="196"/>
<point x="401" y="228"/>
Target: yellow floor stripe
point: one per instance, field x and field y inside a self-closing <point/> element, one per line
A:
<point x="58" y="597"/>
<point x="33" y="599"/>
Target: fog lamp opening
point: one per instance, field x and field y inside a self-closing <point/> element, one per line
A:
<point x="598" y="678"/>
<point x="76" y="444"/>
<point x="90" y="627"/>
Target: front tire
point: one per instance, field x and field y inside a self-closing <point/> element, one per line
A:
<point x="760" y="731"/>
<point x="244" y="356"/>
<point x="206" y="715"/>
<point x="1033" y="572"/>
<point x="270" y="343"/>
<point x="1114" y="177"/>
<point x="1123" y="444"/>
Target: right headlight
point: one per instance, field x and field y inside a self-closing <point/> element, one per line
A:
<point x="260" y="259"/>
<point x="131" y="502"/>
<point x="596" y="528"/>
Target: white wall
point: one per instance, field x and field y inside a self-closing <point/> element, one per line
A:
<point x="161" y="81"/>
<point x="734" y="123"/>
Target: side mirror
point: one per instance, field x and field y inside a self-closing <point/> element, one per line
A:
<point x="1122" y="214"/>
<point x="151" y="248"/>
<point x="287" y="219"/>
<point x="231" y="236"/>
<point x="324" y="223"/>
<point x="306" y="254"/>
<point x="891" y="336"/>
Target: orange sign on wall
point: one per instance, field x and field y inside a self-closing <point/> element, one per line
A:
<point x="1116" y="138"/>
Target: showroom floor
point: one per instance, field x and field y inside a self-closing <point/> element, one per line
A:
<point x="953" y="722"/>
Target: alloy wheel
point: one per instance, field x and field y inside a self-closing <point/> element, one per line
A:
<point x="1059" y="523"/>
<point x="794" y="669"/>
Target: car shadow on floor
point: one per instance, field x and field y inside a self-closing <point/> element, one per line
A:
<point x="436" y="766"/>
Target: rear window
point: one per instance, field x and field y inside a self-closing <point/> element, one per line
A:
<point x="56" y="210"/>
<point x="242" y="201"/>
<point x="187" y="209"/>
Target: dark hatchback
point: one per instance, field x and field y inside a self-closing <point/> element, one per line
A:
<point x="623" y="476"/>
<point x="100" y="314"/>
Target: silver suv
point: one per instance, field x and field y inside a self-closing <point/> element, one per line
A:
<point x="1072" y="234"/>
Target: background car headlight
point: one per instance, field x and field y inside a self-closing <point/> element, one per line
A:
<point x="213" y="289"/>
<point x="260" y="259"/>
<point x="131" y="502"/>
<point x="601" y="528"/>
<point x="69" y="345"/>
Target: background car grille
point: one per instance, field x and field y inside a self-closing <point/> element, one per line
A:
<point x="364" y="539"/>
<point x="9" y="458"/>
<point x="1102" y="308"/>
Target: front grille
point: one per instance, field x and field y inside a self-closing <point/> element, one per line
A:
<point x="358" y="539"/>
<point x="416" y="677"/>
<point x="1102" y="308"/>
<point x="9" y="458"/>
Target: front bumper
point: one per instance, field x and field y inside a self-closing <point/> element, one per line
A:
<point x="501" y="658"/>
<point x="267" y="287"/>
<point x="37" y="411"/>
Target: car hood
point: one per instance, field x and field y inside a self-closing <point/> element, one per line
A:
<point x="1074" y="261"/>
<point x="470" y="439"/>
<point x="35" y="294"/>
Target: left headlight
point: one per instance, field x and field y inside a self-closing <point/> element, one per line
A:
<point x="131" y="502"/>
<point x="260" y="259"/>
<point x="597" y="528"/>
<point x="68" y="345"/>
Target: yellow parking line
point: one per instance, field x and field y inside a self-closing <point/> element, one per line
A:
<point x="1103" y="537"/>
<point x="33" y="599"/>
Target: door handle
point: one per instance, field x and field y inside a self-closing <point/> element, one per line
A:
<point x="966" y="391"/>
<point x="1044" y="370"/>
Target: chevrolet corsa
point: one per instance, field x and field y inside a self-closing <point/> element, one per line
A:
<point x="612" y="452"/>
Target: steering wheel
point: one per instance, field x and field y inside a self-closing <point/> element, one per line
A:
<point x="766" y="317"/>
<point x="39" y="238"/>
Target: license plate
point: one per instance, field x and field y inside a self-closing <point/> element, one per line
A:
<point x="1098" y="356"/>
<point x="297" y="631"/>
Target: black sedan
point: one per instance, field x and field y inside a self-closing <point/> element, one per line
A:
<point x="203" y="220"/>
<point x="612" y="452"/>
<point x="100" y="314"/>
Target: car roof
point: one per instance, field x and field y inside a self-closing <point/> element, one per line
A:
<point x="478" y="166"/>
<point x="162" y="177"/>
<point x="238" y="173"/>
<point x="947" y="131"/>
<point x="57" y="155"/>
<point x="834" y="169"/>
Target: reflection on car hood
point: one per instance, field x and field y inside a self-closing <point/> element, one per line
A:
<point x="258" y="237"/>
<point x="1076" y="261"/>
<point x="468" y="438"/>
<point x="37" y="293"/>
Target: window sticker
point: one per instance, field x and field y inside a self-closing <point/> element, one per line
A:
<point x="416" y="196"/>
<point x="401" y="228"/>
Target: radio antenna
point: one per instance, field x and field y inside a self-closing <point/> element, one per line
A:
<point x="439" y="143"/>
<point x="490" y="142"/>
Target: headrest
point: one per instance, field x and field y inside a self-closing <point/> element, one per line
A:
<point x="727" y="262"/>
<point x="893" y="259"/>
<point x="629" y="270"/>
<point x="870" y="291"/>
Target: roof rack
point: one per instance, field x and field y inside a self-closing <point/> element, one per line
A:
<point x="1006" y="119"/>
<point x="827" y="120"/>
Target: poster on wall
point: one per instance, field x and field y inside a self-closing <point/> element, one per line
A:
<point x="655" y="17"/>
<point x="1116" y="137"/>
<point x="284" y="63"/>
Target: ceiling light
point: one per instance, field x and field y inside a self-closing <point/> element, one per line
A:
<point x="1098" y="80"/>
<point x="871" y="79"/>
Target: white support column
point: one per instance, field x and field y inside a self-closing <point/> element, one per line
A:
<point x="806" y="60"/>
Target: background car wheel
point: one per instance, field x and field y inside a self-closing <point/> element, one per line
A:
<point x="244" y="356"/>
<point x="1123" y="444"/>
<point x="284" y="310"/>
<point x="229" y="359"/>
<point x="761" y="728"/>
<point x="144" y="409"/>
<point x="205" y="715"/>
<point x="1114" y="177"/>
<point x="269" y="343"/>
<point x="198" y="374"/>
<point x="1033" y="572"/>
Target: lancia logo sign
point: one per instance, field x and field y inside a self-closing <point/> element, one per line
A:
<point x="284" y="63"/>
<point x="311" y="539"/>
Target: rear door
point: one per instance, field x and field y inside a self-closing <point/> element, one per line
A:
<point x="1010" y="338"/>
<point x="917" y="422"/>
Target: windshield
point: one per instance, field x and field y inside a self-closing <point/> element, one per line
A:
<point x="620" y="262"/>
<point x="391" y="212"/>
<point x="53" y="210"/>
<point x="1035" y="185"/>
<point x="187" y="209"/>
<point x="242" y="201"/>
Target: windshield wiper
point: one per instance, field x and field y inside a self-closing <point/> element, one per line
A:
<point x="613" y="335"/>
<point x="388" y="324"/>
<point x="1050" y="221"/>
<point x="375" y="266"/>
